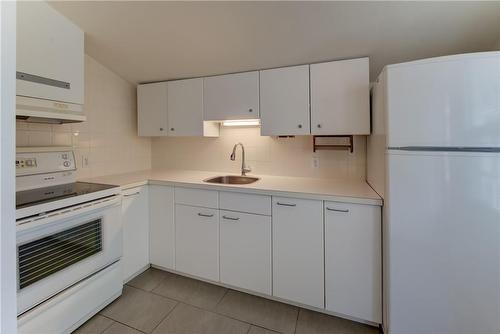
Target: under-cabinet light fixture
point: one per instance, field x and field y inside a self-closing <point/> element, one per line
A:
<point x="242" y="122"/>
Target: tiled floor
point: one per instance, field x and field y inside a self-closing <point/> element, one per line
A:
<point x="159" y="302"/>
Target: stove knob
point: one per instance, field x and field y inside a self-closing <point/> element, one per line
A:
<point x="66" y="164"/>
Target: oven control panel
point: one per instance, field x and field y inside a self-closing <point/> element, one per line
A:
<point x="31" y="163"/>
<point x="25" y="163"/>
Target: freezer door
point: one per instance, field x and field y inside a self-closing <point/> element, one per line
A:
<point x="442" y="233"/>
<point x="448" y="101"/>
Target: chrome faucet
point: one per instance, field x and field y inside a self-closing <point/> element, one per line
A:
<point x="244" y="168"/>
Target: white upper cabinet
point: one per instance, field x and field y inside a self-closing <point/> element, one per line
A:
<point x="231" y="96"/>
<point x="284" y="101"/>
<point x="50" y="56"/>
<point x="340" y="98"/>
<point x="185" y="109"/>
<point x="152" y="109"/>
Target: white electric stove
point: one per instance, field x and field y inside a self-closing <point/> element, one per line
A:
<point x="69" y="242"/>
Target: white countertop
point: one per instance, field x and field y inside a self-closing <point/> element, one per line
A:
<point x="351" y="191"/>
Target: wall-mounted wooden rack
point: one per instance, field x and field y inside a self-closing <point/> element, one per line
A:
<point x="325" y="143"/>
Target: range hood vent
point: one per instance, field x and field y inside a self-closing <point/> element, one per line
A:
<point x="46" y="111"/>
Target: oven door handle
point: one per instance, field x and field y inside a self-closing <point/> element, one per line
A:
<point x="83" y="208"/>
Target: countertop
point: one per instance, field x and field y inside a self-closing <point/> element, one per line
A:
<point x="351" y="191"/>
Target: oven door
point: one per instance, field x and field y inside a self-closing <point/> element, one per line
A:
<point x="61" y="248"/>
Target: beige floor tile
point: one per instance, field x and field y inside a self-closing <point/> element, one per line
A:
<point x="95" y="325"/>
<point x="187" y="319"/>
<point x="139" y="309"/>
<point x="191" y="291"/>
<point x="259" y="311"/>
<point x="260" y="330"/>
<point x="149" y="279"/>
<point x="317" y="323"/>
<point x="117" y="328"/>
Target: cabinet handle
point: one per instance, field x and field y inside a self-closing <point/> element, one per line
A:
<point x="300" y="126"/>
<point x="128" y="195"/>
<point x="250" y="110"/>
<point x="230" y="218"/>
<point x="161" y="129"/>
<point x="172" y="129"/>
<point x="319" y="125"/>
<point x="286" y="204"/>
<point x="205" y="215"/>
<point x="337" y="210"/>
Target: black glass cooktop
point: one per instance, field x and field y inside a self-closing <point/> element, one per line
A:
<point x="48" y="194"/>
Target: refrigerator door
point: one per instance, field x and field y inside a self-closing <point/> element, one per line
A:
<point x="447" y="101"/>
<point x="442" y="233"/>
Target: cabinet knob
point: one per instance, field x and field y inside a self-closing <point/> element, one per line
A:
<point x="161" y="129"/>
<point x="250" y="110"/>
<point x="300" y="126"/>
<point x="172" y="129"/>
<point x="319" y="125"/>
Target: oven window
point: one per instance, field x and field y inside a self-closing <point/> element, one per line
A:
<point x="46" y="256"/>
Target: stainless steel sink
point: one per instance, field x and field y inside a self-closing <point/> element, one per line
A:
<point x="232" y="179"/>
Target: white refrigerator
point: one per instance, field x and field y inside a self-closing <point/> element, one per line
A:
<point x="434" y="156"/>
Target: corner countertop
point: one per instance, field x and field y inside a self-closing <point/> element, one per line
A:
<point x="350" y="191"/>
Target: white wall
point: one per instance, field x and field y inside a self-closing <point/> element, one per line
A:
<point x="266" y="155"/>
<point x="108" y="139"/>
<point x="8" y="309"/>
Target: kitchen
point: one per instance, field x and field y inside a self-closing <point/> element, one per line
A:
<point x="187" y="167"/>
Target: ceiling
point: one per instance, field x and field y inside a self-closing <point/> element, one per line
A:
<point x="151" y="41"/>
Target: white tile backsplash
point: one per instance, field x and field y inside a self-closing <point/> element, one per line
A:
<point x="108" y="140"/>
<point x="265" y="155"/>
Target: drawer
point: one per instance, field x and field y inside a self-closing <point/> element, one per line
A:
<point x="197" y="197"/>
<point x="260" y="204"/>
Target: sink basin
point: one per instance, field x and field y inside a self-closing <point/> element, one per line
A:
<point x="232" y="179"/>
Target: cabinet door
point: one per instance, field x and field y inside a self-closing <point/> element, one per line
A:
<point x="161" y="221"/>
<point x="245" y="251"/>
<point x="298" y="268"/>
<point x="231" y="96"/>
<point x="197" y="241"/>
<point x="353" y="260"/>
<point x="135" y="219"/>
<point x="152" y="109"/>
<point x="51" y="47"/>
<point x="284" y="101"/>
<point x="340" y="98"/>
<point x="185" y="107"/>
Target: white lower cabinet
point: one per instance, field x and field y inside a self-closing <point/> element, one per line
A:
<point x="161" y="226"/>
<point x="245" y="251"/>
<point x="298" y="267"/>
<point x="321" y="254"/>
<point x="353" y="260"/>
<point x="197" y="241"/>
<point x="135" y="219"/>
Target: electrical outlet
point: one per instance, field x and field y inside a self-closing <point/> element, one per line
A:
<point x="85" y="161"/>
<point x="315" y="162"/>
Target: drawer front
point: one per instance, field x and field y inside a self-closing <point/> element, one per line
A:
<point x="197" y="241"/>
<point x="259" y="204"/>
<point x="197" y="197"/>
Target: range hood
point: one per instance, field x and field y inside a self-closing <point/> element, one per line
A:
<point x="46" y="111"/>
